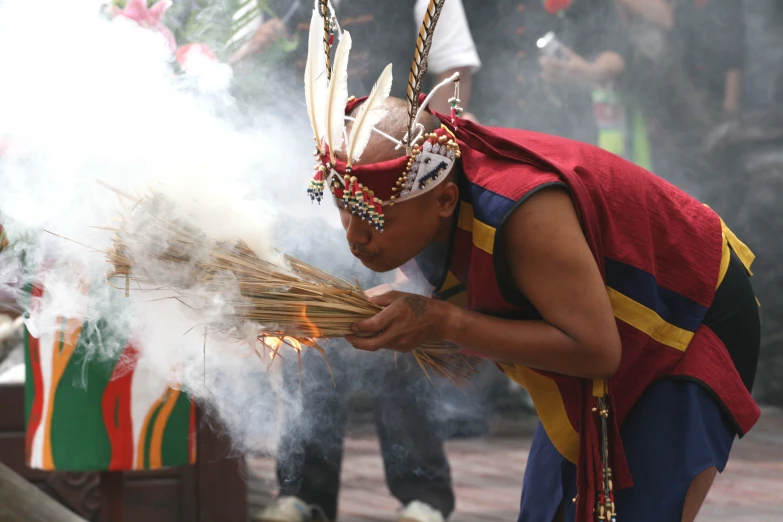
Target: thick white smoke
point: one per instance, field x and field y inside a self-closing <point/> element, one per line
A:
<point x="84" y="98"/>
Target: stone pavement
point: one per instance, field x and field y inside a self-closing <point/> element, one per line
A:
<point x="487" y="476"/>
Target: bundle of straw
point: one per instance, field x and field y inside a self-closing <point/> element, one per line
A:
<point x="286" y="297"/>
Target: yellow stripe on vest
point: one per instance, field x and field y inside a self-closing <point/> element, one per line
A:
<point x="550" y="408"/>
<point x="483" y="234"/>
<point x="741" y="249"/>
<point x="450" y="282"/>
<point x="465" y="216"/>
<point x="648" y="321"/>
<point x="744" y="254"/>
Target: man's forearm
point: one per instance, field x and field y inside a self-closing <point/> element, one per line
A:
<point x="535" y="344"/>
<point x="606" y="67"/>
<point x="440" y="101"/>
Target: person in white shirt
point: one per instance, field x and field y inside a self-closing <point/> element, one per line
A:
<point x="377" y="25"/>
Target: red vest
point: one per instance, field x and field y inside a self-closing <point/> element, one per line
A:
<point x="661" y="253"/>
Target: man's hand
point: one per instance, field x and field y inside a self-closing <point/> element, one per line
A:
<point x="575" y="70"/>
<point x="406" y="322"/>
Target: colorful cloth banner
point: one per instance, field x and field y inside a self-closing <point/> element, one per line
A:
<point x="89" y="414"/>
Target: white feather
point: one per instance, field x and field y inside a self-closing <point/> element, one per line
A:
<point x="338" y="96"/>
<point x="370" y="113"/>
<point x="315" y="78"/>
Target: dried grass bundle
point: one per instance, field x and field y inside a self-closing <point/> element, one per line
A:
<point x="291" y="300"/>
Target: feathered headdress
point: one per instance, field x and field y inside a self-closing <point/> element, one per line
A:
<point x="366" y="188"/>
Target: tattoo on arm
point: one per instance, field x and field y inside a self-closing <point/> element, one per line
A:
<point x="418" y="305"/>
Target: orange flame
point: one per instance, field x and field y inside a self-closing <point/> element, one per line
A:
<point x="310" y="327"/>
<point x="273" y="343"/>
<point x="293" y="343"/>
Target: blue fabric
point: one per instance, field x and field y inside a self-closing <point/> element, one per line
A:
<point x="674" y="432"/>
<point x="643" y="288"/>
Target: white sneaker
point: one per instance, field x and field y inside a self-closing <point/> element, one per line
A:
<point x="420" y="512"/>
<point x="286" y="509"/>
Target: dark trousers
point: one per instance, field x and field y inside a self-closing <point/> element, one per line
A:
<point x="311" y="451"/>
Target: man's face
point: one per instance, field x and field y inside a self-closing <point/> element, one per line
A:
<point x="409" y="227"/>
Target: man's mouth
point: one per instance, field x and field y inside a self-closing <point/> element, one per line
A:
<point x="361" y="256"/>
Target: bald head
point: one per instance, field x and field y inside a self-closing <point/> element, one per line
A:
<point x="394" y="123"/>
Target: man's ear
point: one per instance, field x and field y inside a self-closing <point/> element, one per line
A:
<point x="447" y="198"/>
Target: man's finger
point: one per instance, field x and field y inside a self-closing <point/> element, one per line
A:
<point x="375" y="323"/>
<point x="385" y="299"/>
<point x="372" y="344"/>
<point x="378" y="290"/>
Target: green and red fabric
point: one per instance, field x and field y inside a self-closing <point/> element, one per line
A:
<point x="86" y="414"/>
<point x="662" y="255"/>
<point x="3" y="238"/>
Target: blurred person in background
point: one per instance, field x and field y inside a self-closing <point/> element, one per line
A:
<point x="685" y="73"/>
<point x="710" y="35"/>
<point x="383" y="25"/>
<point x="521" y="88"/>
<point x="310" y="453"/>
<point x="308" y="468"/>
<point x="763" y="53"/>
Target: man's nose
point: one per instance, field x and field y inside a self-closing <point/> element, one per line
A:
<point x="358" y="232"/>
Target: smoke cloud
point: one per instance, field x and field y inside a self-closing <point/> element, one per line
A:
<point x="84" y="98"/>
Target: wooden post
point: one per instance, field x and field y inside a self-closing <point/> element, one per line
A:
<point x="222" y="489"/>
<point x="20" y="501"/>
<point x="112" y="498"/>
